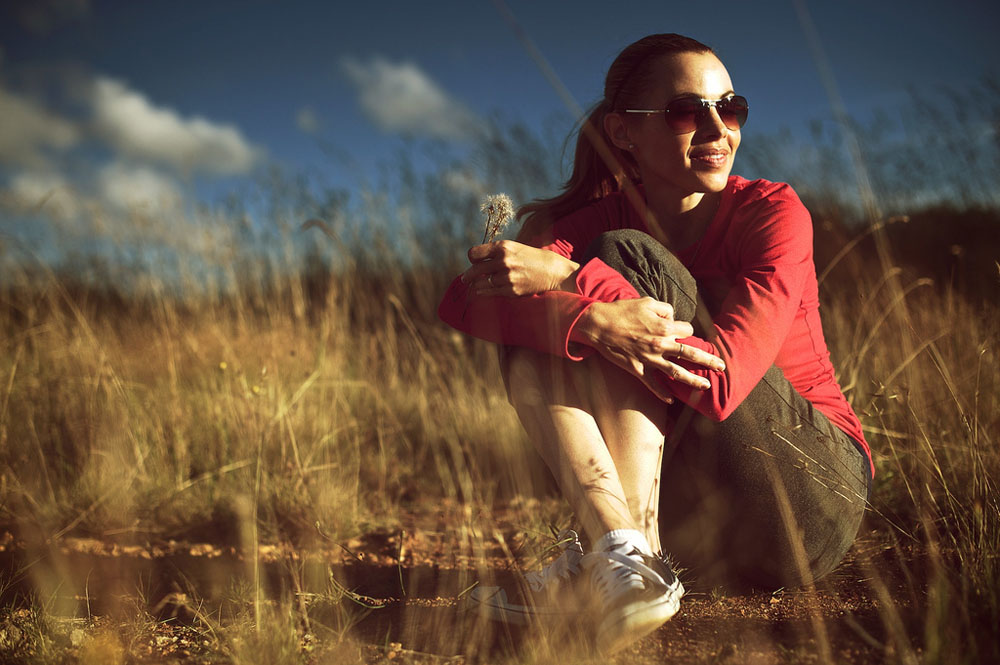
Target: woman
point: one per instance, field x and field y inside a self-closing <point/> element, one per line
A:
<point x="661" y="315"/>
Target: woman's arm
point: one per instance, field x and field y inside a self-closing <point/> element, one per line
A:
<point x="773" y="241"/>
<point x="540" y="318"/>
<point x="550" y="303"/>
<point x="527" y="296"/>
<point x="641" y="336"/>
<point x="541" y="321"/>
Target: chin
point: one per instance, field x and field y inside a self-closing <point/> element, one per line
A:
<point x="714" y="182"/>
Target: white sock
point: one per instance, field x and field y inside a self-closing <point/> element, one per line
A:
<point x="623" y="540"/>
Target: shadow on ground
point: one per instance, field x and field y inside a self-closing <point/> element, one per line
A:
<point x="422" y="608"/>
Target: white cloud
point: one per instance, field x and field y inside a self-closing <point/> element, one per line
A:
<point x="463" y="182"/>
<point x="47" y="193"/>
<point x="402" y="98"/>
<point x="129" y="188"/>
<point x="307" y="120"/>
<point x="27" y="130"/>
<point x="135" y="127"/>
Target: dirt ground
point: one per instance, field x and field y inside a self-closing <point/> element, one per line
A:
<point x="400" y="595"/>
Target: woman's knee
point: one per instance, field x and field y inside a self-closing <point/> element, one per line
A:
<point x="626" y="246"/>
<point x="524" y="377"/>
<point x="536" y="379"/>
<point x="806" y="550"/>
<point x="631" y="241"/>
<point x="761" y="517"/>
<point x="649" y="266"/>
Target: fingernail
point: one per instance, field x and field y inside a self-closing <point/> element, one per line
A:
<point x="705" y="385"/>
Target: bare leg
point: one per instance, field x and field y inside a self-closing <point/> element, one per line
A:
<point x="633" y="422"/>
<point x="600" y="432"/>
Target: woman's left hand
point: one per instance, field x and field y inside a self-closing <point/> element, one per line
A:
<point x="510" y="268"/>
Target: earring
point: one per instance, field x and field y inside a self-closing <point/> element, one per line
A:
<point x="631" y="146"/>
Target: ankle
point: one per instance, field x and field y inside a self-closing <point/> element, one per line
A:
<point x="623" y="540"/>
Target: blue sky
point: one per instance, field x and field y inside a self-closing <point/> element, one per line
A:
<point x="115" y="103"/>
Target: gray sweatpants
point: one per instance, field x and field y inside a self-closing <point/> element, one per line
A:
<point x="771" y="496"/>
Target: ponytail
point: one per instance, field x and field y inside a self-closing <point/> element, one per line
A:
<point x="600" y="167"/>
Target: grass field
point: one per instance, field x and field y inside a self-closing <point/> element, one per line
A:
<point x="309" y="467"/>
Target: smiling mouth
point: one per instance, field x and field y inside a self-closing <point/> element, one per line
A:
<point x="710" y="158"/>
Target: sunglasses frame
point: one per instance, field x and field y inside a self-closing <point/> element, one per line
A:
<point x="699" y="114"/>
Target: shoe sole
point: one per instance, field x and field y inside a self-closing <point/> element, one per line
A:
<point x="632" y="623"/>
<point x="492" y="603"/>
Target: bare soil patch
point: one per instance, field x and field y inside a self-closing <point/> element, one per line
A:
<point x="400" y="595"/>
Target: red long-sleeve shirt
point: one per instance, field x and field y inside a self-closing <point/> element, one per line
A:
<point x="755" y="272"/>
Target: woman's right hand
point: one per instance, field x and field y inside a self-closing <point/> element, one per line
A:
<point x="510" y="268"/>
<point x="641" y="336"/>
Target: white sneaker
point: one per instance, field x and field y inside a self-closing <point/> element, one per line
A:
<point x="547" y="593"/>
<point x="636" y="594"/>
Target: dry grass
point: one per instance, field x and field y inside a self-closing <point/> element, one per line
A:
<point x="919" y="363"/>
<point x="310" y="407"/>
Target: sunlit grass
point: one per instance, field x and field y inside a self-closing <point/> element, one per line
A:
<point x="311" y="408"/>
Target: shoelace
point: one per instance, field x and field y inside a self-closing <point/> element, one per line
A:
<point x="614" y="573"/>
<point x="564" y="567"/>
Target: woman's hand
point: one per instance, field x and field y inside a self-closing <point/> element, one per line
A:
<point x="510" y="268"/>
<point x="641" y="336"/>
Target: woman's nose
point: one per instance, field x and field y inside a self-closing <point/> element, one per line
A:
<point x="710" y="122"/>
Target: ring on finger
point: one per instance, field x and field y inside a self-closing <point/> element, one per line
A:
<point x="680" y="349"/>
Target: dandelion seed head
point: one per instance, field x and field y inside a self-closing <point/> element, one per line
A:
<point x="499" y="210"/>
<point x="498" y="206"/>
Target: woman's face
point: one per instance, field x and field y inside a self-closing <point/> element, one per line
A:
<point x="699" y="161"/>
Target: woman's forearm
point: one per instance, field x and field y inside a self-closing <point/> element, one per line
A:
<point x="642" y="337"/>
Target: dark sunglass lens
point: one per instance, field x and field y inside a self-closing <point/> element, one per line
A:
<point x="733" y="111"/>
<point x="682" y="115"/>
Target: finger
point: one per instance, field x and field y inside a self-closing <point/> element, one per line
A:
<point x="494" y="284"/>
<point x="663" y="309"/>
<point x="483" y="252"/>
<point x="680" y="329"/>
<point x="656" y="386"/>
<point x="677" y="373"/>
<point x="492" y="280"/>
<point x="658" y="307"/>
<point x="699" y="357"/>
<point x="506" y="291"/>
<point x="645" y="373"/>
<point x="484" y="283"/>
<point x="477" y="271"/>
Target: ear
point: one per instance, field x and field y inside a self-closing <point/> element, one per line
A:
<point x="617" y="130"/>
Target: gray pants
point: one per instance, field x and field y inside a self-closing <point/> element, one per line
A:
<point x="773" y="495"/>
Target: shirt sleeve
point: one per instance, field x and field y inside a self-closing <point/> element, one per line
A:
<point x="774" y="249"/>
<point x="543" y="321"/>
<point x="771" y="238"/>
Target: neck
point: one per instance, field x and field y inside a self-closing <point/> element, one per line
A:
<point x="679" y="221"/>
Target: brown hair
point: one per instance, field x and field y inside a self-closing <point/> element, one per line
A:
<point x="599" y="167"/>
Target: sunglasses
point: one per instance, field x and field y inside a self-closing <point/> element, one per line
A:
<point x="684" y="115"/>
